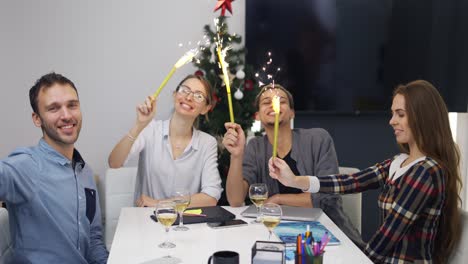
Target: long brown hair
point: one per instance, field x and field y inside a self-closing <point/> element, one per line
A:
<point x="429" y="124"/>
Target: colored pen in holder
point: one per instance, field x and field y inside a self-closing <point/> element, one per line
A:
<point x="308" y="259"/>
<point x="309" y="251"/>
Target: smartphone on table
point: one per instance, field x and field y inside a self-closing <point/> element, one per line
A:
<point x="226" y="224"/>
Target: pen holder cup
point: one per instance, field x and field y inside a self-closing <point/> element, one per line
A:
<point x="308" y="259"/>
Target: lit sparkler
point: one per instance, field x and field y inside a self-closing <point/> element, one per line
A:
<point x="224" y="68"/>
<point x="276" y="107"/>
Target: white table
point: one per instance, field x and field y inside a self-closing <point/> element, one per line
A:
<point x="137" y="237"/>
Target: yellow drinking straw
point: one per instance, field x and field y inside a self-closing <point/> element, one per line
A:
<point x="276" y="108"/>
<point x="188" y="56"/>
<point x="221" y="55"/>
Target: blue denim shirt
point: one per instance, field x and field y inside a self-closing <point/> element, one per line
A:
<point x="53" y="207"/>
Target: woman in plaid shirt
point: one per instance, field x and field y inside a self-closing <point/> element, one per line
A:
<point x="420" y="187"/>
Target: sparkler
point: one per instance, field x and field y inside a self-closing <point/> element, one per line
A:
<point x="186" y="58"/>
<point x="276" y="107"/>
<point x="265" y="75"/>
<point x="224" y="65"/>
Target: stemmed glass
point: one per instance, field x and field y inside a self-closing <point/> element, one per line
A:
<point x="271" y="216"/>
<point x="182" y="201"/>
<point x="258" y="193"/>
<point x="166" y="214"/>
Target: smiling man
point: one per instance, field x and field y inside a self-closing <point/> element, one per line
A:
<point x="305" y="150"/>
<point x="49" y="190"/>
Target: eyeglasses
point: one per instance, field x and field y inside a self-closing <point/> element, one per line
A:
<point x="198" y="96"/>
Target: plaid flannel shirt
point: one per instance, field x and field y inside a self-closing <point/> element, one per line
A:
<point x="410" y="208"/>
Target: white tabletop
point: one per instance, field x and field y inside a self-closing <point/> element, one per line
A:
<point x="137" y="237"/>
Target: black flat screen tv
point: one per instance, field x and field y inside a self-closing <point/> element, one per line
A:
<point x="347" y="56"/>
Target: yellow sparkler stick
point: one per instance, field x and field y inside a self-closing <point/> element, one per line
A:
<point x="188" y="56"/>
<point x="226" y="82"/>
<point x="276" y="108"/>
<point x="155" y="95"/>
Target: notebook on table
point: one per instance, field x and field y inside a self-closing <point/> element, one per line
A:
<point x="289" y="213"/>
<point x="288" y="232"/>
<point x="213" y="214"/>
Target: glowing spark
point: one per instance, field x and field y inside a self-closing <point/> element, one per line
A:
<point x="187" y="57"/>
<point x="276" y="104"/>
<point x="267" y="74"/>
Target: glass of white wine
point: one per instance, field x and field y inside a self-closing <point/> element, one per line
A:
<point x="271" y="216"/>
<point x="166" y="214"/>
<point x="182" y="200"/>
<point x="258" y="193"/>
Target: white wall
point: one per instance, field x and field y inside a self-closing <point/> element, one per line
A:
<point x="459" y="126"/>
<point x="115" y="51"/>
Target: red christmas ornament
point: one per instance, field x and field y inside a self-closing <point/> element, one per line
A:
<point x="199" y="73"/>
<point x="248" y="85"/>
<point x="224" y="4"/>
<point x="216" y="98"/>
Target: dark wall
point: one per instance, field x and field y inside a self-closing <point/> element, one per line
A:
<point x="428" y="40"/>
<point x="360" y="141"/>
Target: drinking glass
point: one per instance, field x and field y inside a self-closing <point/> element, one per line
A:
<point x="182" y="200"/>
<point x="271" y="216"/>
<point x="166" y="214"/>
<point x="258" y="193"/>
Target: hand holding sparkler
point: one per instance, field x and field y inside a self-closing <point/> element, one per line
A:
<point x="146" y="112"/>
<point x="234" y="139"/>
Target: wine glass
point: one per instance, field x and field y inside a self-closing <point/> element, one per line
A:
<point x="166" y="214"/>
<point x="271" y="216"/>
<point x="258" y="193"/>
<point x="182" y="201"/>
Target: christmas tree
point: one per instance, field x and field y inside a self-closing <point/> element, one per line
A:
<point x="243" y="87"/>
<point x="241" y="75"/>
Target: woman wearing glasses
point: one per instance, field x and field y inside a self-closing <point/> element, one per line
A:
<point x="172" y="153"/>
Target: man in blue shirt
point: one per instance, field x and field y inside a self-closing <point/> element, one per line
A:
<point x="49" y="190"/>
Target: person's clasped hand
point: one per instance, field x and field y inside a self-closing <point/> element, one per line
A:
<point x="146" y="201"/>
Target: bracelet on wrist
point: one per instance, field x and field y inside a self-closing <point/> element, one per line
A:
<point x="130" y="137"/>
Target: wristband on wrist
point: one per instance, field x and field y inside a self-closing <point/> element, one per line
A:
<point x="130" y="137"/>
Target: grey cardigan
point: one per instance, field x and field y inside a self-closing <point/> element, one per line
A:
<point x="314" y="153"/>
